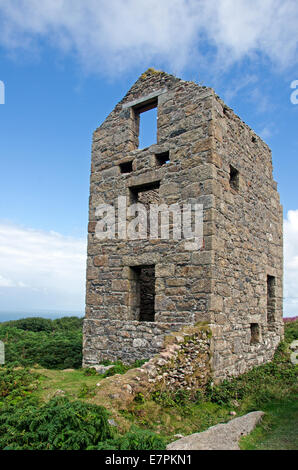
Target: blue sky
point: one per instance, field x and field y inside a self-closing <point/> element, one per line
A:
<point x="66" y="64"/>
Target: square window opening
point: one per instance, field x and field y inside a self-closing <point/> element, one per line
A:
<point x="143" y="293"/>
<point x="126" y="167"/>
<point x="146" y="123"/>
<point x="254" y="333"/>
<point x="162" y="158"/>
<point x="234" y="178"/>
<point x="145" y="193"/>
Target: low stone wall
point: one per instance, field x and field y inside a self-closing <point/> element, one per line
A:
<point x="125" y="340"/>
<point x="234" y="353"/>
<point x="184" y="363"/>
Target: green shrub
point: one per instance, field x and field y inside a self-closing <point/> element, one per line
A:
<point x="134" y="440"/>
<point x="45" y="324"/>
<point x="291" y="331"/>
<point x="68" y="324"/>
<point x="45" y="342"/>
<point x="199" y="396"/>
<point x="139" y="398"/>
<point x="179" y="399"/>
<point x="261" y="384"/>
<point x="16" y="385"/>
<point x="57" y="425"/>
<point x="30" y="324"/>
<point x="86" y="391"/>
<point x="89" y="371"/>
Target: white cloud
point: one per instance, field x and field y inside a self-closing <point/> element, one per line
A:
<point x="118" y="35"/>
<point x="4" y="282"/>
<point x="40" y="270"/>
<point x="243" y="27"/>
<point x="291" y="263"/>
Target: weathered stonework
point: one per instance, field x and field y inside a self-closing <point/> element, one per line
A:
<point x="234" y="283"/>
<point x="183" y="363"/>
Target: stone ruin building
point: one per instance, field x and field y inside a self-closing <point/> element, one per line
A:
<point x="138" y="291"/>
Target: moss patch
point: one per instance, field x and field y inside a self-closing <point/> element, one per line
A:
<point x="151" y="71"/>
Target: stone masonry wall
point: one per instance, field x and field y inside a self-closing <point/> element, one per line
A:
<point x="214" y="159"/>
<point x="182" y="278"/>
<point x="183" y="363"/>
<point x="127" y="340"/>
<point x="248" y="247"/>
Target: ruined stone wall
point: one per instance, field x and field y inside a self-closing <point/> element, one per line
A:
<point x="183" y="279"/>
<point x="248" y="247"/>
<point x="215" y="160"/>
<point x="184" y="363"/>
<point x="106" y="339"/>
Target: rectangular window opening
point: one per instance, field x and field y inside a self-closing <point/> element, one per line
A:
<point x="126" y="167"/>
<point x="234" y="178"/>
<point x="254" y="333"/>
<point x="271" y="299"/>
<point x="143" y="293"/>
<point x="146" y="123"/>
<point x="146" y="194"/>
<point x="162" y="158"/>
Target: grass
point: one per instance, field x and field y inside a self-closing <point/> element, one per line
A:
<point x="71" y="382"/>
<point x="150" y="415"/>
<point x="169" y="421"/>
<point x="278" y="429"/>
<point x="271" y="388"/>
<point x="77" y="383"/>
